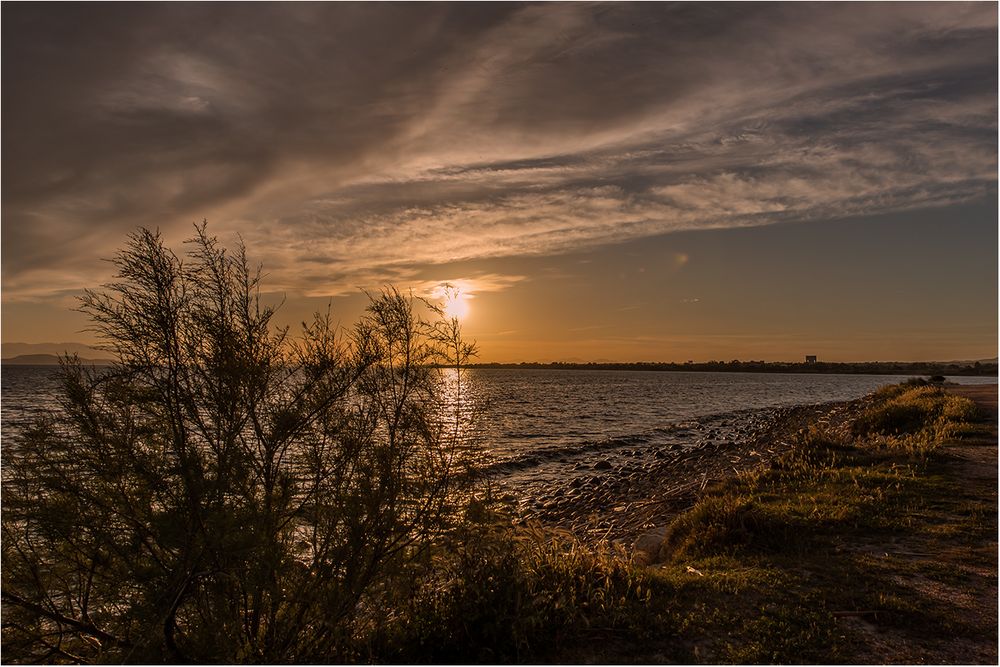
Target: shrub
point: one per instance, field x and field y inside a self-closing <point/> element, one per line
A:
<point x="814" y="449"/>
<point x="224" y="492"/>
<point x="741" y="516"/>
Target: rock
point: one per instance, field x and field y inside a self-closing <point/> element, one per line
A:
<point x="647" y="546"/>
<point x="603" y="464"/>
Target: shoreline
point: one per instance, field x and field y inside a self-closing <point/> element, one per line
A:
<point x="628" y="494"/>
<point x="625" y="492"/>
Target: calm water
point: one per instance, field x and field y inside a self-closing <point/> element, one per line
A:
<point x="527" y="413"/>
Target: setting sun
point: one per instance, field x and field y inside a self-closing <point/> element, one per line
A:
<point x="456" y="304"/>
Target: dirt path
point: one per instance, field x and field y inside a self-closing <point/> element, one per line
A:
<point x="969" y="592"/>
<point x="976" y="459"/>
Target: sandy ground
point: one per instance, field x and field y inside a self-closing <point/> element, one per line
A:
<point x="968" y="592"/>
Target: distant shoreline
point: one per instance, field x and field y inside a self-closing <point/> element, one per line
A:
<point x="49" y="360"/>
<point x="975" y="369"/>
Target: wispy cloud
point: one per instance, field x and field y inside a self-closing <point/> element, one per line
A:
<point x="353" y="145"/>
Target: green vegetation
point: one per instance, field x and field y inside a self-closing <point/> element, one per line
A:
<point x="797" y="562"/>
<point x="916" y="416"/>
<point x="502" y="594"/>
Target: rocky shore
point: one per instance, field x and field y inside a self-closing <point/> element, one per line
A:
<point x="623" y="492"/>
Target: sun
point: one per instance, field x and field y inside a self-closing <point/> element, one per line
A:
<point x="456" y="305"/>
<point x="452" y="300"/>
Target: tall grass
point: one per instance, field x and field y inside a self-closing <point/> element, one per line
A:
<point x="916" y="418"/>
<point x="503" y="594"/>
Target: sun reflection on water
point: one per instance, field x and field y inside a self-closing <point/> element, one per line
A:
<point x="460" y="413"/>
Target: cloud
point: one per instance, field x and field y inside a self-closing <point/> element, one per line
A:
<point x="359" y="144"/>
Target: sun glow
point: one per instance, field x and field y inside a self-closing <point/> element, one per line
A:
<point x="452" y="300"/>
<point x="456" y="305"/>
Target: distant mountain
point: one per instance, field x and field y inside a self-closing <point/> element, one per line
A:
<point x="11" y="350"/>
<point x="47" y="360"/>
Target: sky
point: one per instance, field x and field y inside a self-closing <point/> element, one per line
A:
<point x="627" y="182"/>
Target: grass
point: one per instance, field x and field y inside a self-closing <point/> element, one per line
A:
<point x="503" y="594"/>
<point x="801" y="561"/>
<point x="865" y="547"/>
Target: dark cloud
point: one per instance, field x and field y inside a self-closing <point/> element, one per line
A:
<point x="388" y="135"/>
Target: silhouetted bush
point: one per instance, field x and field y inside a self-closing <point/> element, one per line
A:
<point x="226" y="492"/>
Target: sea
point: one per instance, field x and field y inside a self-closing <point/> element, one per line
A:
<point x="527" y="417"/>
